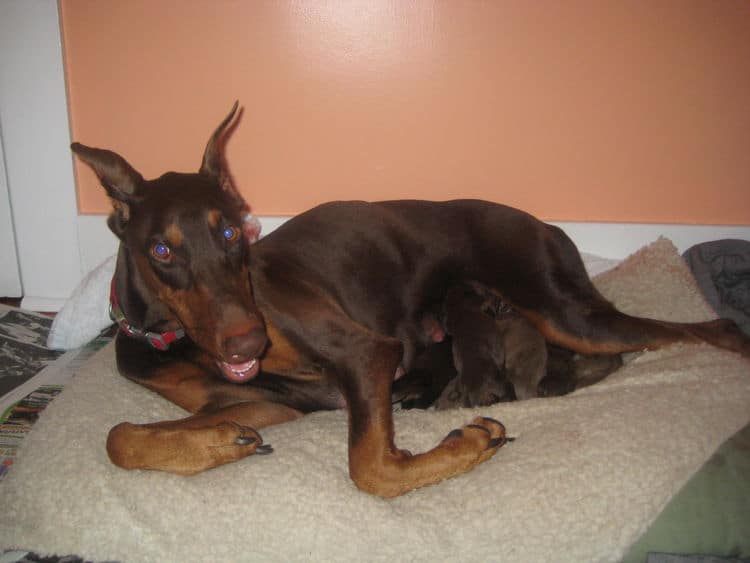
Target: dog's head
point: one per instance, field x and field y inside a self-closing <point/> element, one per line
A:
<point x="184" y="254"/>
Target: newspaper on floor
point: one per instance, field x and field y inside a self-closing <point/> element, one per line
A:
<point x="31" y="375"/>
<point x="23" y="352"/>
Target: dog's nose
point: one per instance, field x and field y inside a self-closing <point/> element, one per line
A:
<point x="243" y="347"/>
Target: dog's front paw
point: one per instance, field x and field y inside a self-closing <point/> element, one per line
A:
<point x="209" y="447"/>
<point x="483" y="431"/>
<point x="184" y="451"/>
<point x="477" y="441"/>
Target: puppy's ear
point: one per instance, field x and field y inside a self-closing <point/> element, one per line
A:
<point x="213" y="165"/>
<point x="121" y="181"/>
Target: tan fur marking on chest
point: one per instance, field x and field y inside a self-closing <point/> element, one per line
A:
<point x="283" y="358"/>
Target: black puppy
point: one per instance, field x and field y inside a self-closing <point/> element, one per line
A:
<point x="490" y="354"/>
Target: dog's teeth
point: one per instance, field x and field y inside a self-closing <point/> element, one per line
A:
<point x="250" y="366"/>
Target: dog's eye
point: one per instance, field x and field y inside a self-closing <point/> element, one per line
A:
<point x="231" y="234"/>
<point x="161" y="252"/>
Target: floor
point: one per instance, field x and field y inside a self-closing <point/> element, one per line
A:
<point x="16" y="302"/>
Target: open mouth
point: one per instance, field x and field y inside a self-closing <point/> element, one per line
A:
<point x="241" y="372"/>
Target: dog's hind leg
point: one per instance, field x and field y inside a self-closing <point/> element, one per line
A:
<point x="570" y="312"/>
<point x="612" y="332"/>
<point x="550" y="287"/>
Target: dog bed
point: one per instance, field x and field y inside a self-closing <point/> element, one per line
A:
<point x="587" y="475"/>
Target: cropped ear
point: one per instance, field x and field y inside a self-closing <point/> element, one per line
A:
<point x="213" y="165"/>
<point x="121" y="181"/>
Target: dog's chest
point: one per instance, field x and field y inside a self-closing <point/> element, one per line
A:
<point x="283" y="358"/>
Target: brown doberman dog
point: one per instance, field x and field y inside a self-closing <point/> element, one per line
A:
<point x="322" y="312"/>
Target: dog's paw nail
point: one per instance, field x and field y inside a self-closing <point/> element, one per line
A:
<point x="264" y="449"/>
<point x="245" y="440"/>
<point x="497" y="442"/>
<point x="457" y="433"/>
<point x="489" y="419"/>
<point x="478" y="427"/>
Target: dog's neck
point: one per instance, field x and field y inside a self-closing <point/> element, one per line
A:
<point x="135" y="308"/>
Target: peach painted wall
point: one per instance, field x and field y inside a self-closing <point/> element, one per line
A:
<point x="585" y="110"/>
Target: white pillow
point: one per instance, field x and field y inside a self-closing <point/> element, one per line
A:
<point x="86" y="312"/>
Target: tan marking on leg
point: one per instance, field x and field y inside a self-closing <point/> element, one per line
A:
<point x="589" y="347"/>
<point x="390" y="472"/>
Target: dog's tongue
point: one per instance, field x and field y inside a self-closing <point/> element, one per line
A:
<point x="240" y="373"/>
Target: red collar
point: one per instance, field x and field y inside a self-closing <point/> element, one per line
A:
<point x="159" y="340"/>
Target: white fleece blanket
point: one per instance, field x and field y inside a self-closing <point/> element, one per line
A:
<point x="586" y="476"/>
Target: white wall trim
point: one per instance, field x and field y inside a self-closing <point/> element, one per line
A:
<point x="10" y="274"/>
<point x="609" y="240"/>
<point x="39" y="167"/>
<point x="620" y="240"/>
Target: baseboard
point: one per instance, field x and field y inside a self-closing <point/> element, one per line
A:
<point x="42" y="304"/>
<point x="610" y="240"/>
<point x="620" y="240"/>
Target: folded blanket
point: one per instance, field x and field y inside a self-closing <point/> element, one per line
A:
<point x="722" y="270"/>
<point x="585" y="477"/>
